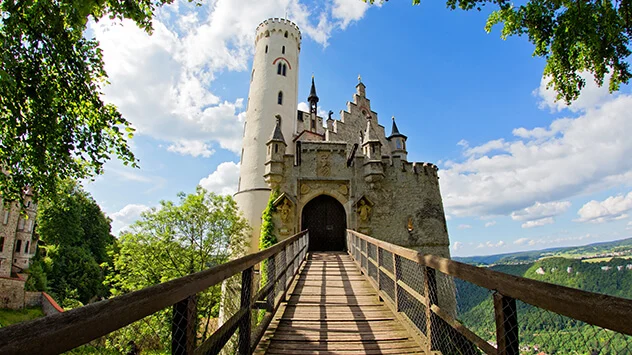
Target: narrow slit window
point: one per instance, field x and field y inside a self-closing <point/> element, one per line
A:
<point x="18" y="246"/>
<point x="6" y="217"/>
<point x="276" y="148"/>
<point x="1" y="244"/>
<point x="266" y="48"/>
<point x="284" y="69"/>
<point x="285" y="34"/>
<point x="280" y="98"/>
<point x="26" y="247"/>
<point x="279" y="69"/>
<point x="283" y="50"/>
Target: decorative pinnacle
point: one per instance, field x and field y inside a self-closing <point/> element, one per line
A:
<point x="393" y="118"/>
<point x="359" y="78"/>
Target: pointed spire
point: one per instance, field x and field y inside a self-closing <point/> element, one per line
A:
<point x="395" y="131"/>
<point x="369" y="135"/>
<point x="312" y="92"/>
<point x="277" y="135"/>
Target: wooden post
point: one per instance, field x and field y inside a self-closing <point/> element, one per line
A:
<point x="183" y="327"/>
<point x="379" y="279"/>
<point x="432" y="297"/>
<point x="506" y="316"/>
<point x="396" y="274"/>
<point x="271" y="276"/>
<point x="245" y="325"/>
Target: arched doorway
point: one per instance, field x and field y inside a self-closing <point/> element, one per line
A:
<point x="326" y="220"/>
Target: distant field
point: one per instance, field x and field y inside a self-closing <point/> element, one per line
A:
<point x="608" y="258"/>
<point x="10" y="316"/>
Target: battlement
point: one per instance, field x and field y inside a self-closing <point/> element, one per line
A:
<point x="426" y="168"/>
<point x="273" y="26"/>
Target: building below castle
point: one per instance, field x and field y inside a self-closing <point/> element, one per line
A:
<point x="331" y="174"/>
<point x="17" y="248"/>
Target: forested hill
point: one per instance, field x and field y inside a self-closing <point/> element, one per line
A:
<point x="543" y="331"/>
<point x="577" y="252"/>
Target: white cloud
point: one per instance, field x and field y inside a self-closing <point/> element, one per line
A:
<point x="348" y="11"/>
<point x="457" y="245"/>
<point x="538" y="222"/>
<point x="164" y="83"/>
<point x="521" y="241"/>
<point x="612" y="208"/>
<point x="194" y="148"/>
<point x="223" y="180"/>
<point x="490" y="244"/>
<point x="464" y="226"/>
<point x="570" y="157"/>
<point x="489" y="224"/>
<point x="541" y="210"/>
<point x="629" y="226"/>
<point x="590" y="97"/>
<point x="126" y="216"/>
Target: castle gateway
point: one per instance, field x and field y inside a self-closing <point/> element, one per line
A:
<point x="331" y="174"/>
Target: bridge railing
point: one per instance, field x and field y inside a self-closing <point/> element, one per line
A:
<point x="492" y="312"/>
<point x="174" y="316"/>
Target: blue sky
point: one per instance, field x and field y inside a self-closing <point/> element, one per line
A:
<point x="518" y="170"/>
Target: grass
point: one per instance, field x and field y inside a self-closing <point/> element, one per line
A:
<point x="608" y="258"/>
<point x="11" y="316"/>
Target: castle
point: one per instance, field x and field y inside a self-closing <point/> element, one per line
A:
<point x="331" y="174"/>
<point x="17" y="248"/>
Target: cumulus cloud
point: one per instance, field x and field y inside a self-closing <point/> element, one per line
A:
<point x="457" y="245"/>
<point x="544" y="164"/>
<point x="538" y="222"/>
<point x="490" y="244"/>
<point x="464" y="226"/>
<point x="540" y="214"/>
<point x="591" y="95"/>
<point x="126" y="216"/>
<point x="612" y="208"/>
<point x="223" y="180"/>
<point x="164" y="83"/>
<point x="193" y="148"/>
<point x="489" y="224"/>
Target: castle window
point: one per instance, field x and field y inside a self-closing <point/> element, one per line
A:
<point x="26" y="247"/>
<point x="29" y="225"/>
<point x="279" y="68"/>
<point x="6" y="217"/>
<point x="284" y="69"/>
<point x="1" y="244"/>
<point x="266" y="48"/>
<point x="283" y="50"/>
<point x="21" y="224"/>
<point x="280" y="98"/>
<point x="18" y="245"/>
<point x="398" y="143"/>
<point x="285" y="34"/>
<point x="313" y="126"/>
<point x="267" y="34"/>
<point x="276" y="148"/>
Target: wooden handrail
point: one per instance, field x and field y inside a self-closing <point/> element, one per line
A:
<point x="64" y="331"/>
<point x="605" y="311"/>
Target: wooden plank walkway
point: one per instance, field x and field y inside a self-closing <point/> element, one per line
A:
<point x="332" y="309"/>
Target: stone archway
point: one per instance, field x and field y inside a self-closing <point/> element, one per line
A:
<point x="326" y="220"/>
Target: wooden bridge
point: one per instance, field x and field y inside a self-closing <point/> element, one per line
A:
<point x="375" y="298"/>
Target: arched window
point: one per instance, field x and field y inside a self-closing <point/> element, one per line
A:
<point x="279" y="68"/>
<point x="284" y="69"/>
<point x="266" y="48"/>
<point x="282" y="50"/>
<point x="285" y="34"/>
<point x="280" y="98"/>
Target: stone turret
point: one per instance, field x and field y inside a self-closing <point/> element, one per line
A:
<point x="275" y="148"/>
<point x="313" y="106"/>
<point x="397" y="142"/>
<point x="372" y="149"/>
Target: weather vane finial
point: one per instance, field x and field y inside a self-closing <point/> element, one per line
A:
<point x="359" y="78"/>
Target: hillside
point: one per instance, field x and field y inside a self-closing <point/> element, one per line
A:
<point x="623" y="247"/>
<point x="542" y="330"/>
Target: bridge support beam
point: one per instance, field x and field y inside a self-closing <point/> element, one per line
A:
<point x="183" y="326"/>
<point x="245" y="326"/>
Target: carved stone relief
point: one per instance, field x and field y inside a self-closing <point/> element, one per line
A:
<point x="323" y="164"/>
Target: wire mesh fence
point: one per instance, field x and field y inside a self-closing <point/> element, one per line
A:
<point x="454" y="315"/>
<point x="222" y="310"/>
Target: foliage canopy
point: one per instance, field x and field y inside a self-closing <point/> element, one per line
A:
<point x="573" y="36"/>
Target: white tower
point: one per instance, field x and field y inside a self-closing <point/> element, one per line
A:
<point x="273" y="96"/>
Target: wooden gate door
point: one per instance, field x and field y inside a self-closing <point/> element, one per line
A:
<point x="326" y="220"/>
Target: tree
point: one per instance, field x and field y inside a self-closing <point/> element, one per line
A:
<point x="53" y="122"/>
<point x="201" y="231"/>
<point x="574" y="36"/>
<point x="75" y="234"/>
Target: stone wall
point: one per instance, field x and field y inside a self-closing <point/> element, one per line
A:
<point x="32" y="298"/>
<point x="49" y="306"/>
<point x="11" y="293"/>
